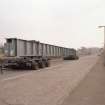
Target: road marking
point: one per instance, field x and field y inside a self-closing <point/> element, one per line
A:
<point x="15" y="77"/>
<point x="25" y="74"/>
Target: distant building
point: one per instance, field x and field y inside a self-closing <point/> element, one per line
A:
<point x="89" y="51"/>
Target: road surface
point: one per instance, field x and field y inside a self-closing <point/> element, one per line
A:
<point x="48" y="86"/>
<point x="91" y="90"/>
<point x="14" y="73"/>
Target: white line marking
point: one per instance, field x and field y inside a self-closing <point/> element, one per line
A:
<point x="15" y="77"/>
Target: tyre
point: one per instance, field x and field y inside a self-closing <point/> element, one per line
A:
<point x="34" y="66"/>
<point x="42" y="64"/>
<point x="47" y="64"/>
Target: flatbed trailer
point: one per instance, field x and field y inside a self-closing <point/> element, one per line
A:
<point x="31" y="54"/>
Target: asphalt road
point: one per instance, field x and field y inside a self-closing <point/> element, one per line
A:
<point x="91" y="90"/>
<point x="49" y="86"/>
<point x="8" y="73"/>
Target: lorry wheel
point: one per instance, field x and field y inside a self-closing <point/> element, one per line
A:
<point x="42" y="64"/>
<point x="47" y="64"/>
<point x="34" y="66"/>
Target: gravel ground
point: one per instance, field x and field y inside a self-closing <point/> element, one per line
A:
<point x="46" y="87"/>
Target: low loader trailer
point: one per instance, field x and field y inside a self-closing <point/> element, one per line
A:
<point x="31" y="54"/>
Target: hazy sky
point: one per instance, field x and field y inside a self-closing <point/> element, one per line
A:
<point x="70" y="23"/>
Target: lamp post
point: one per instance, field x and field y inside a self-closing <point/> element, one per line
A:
<point x="104" y="34"/>
<point x="104" y="43"/>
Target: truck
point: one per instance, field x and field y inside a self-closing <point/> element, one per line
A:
<point x="31" y="54"/>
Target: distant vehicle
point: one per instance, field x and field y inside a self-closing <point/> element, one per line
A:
<point x="72" y="55"/>
<point x="25" y="54"/>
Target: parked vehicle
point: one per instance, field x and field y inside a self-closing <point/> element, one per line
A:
<point x="25" y="54"/>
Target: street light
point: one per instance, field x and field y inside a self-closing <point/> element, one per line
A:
<point x="104" y="42"/>
<point x="104" y="34"/>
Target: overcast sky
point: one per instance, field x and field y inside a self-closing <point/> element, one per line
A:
<point x="70" y="23"/>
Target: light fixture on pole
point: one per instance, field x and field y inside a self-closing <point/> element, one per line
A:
<point x="104" y="34"/>
<point x="104" y="43"/>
